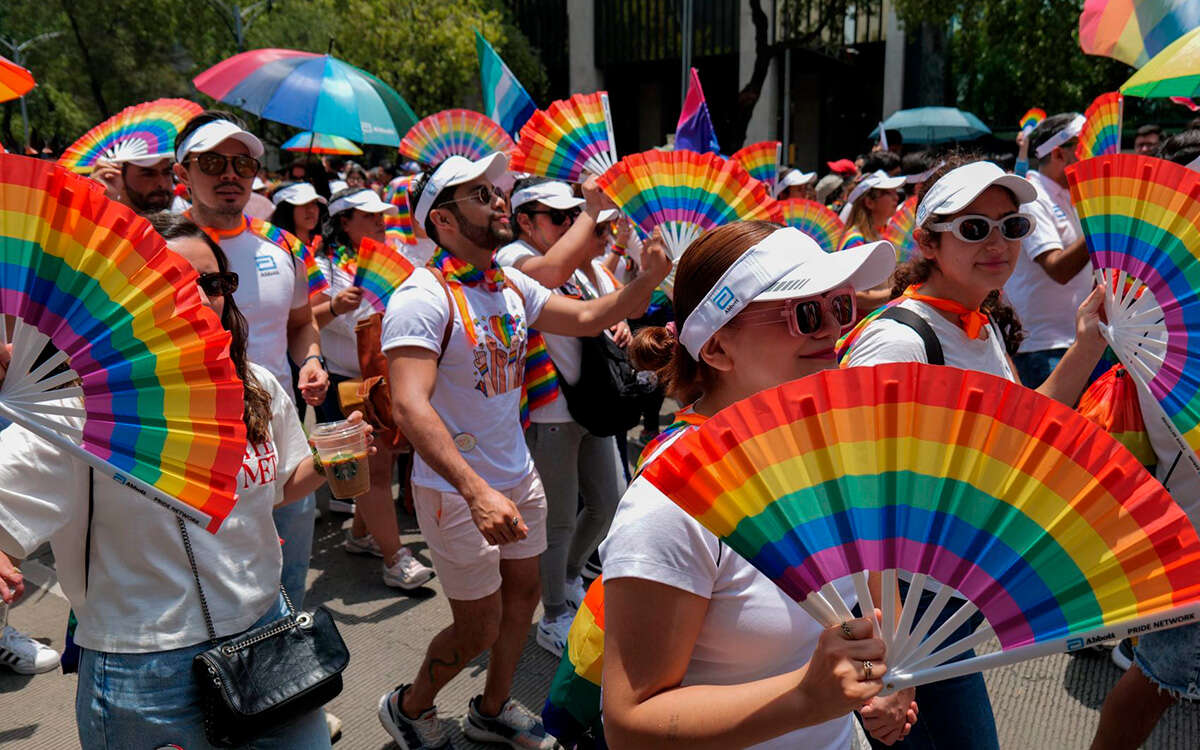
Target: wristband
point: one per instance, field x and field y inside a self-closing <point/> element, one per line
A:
<point x="318" y="357"/>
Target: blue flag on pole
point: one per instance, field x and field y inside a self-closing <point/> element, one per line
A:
<point x="505" y="100"/>
<point x="694" y="132"/>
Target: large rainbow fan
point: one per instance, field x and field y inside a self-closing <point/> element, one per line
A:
<point x="96" y="296"/>
<point x="1101" y="134"/>
<point x="814" y="219"/>
<point x="567" y="138"/>
<point x="761" y="160"/>
<point x="1032" y="119"/>
<point x="454" y="132"/>
<point x="381" y="270"/>
<point x="1141" y="218"/>
<point x="685" y="193"/>
<point x="399" y="226"/>
<point x="1040" y="519"/>
<point x="143" y="131"/>
<point x="899" y="230"/>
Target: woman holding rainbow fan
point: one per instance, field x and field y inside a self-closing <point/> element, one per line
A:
<point x="946" y="309"/>
<point x="757" y="305"/>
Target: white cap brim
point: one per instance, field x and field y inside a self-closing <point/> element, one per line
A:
<point x="363" y="200"/>
<point x="552" y="194"/>
<point x="456" y="170"/>
<point x="959" y="188"/>
<point x="212" y="134"/>
<point x="298" y="194"/>
<point x="862" y="267"/>
<point x="608" y="214"/>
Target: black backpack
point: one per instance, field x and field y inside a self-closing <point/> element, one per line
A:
<point x="609" y="397"/>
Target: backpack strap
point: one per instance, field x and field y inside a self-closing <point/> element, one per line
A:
<point x="933" y="347"/>
<point x="450" y="320"/>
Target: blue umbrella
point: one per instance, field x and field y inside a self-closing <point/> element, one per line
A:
<point x="935" y="125"/>
<point x="311" y="91"/>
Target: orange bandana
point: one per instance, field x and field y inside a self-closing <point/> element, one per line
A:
<point x="972" y="321"/>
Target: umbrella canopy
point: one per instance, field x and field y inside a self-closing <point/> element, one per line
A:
<point x="315" y="92"/>
<point x="321" y="143"/>
<point x="15" y="81"/>
<point x="1173" y="72"/>
<point x="935" y="125"/>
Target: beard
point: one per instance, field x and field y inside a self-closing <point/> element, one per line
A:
<point x="147" y="203"/>
<point x="490" y="236"/>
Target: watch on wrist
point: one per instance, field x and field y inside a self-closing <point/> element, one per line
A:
<point x="318" y="357"/>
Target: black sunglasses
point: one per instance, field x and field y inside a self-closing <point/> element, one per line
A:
<point x="221" y="284"/>
<point x="215" y="164"/>
<point x="558" y="216"/>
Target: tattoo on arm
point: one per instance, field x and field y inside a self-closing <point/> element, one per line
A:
<point x="673" y="727"/>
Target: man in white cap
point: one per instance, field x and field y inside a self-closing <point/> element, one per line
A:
<point x="794" y="184"/>
<point x="144" y="184"/>
<point x="554" y="229"/>
<point x="455" y="336"/>
<point x="218" y="161"/>
<point x="1053" y="273"/>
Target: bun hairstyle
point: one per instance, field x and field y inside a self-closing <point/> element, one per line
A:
<point x="919" y="268"/>
<point x="657" y="348"/>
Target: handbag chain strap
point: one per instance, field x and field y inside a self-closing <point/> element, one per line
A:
<point x="208" y="623"/>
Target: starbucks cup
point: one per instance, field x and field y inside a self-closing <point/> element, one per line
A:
<point x="342" y="448"/>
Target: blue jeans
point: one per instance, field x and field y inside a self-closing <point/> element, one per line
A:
<point x="1171" y="660"/>
<point x="294" y="524"/>
<point x="150" y="700"/>
<point x="954" y="714"/>
<point x="1034" y="367"/>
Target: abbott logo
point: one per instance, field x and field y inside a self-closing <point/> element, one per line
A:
<point x="724" y="298"/>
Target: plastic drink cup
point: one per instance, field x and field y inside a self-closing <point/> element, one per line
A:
<point x="342" y="448"/>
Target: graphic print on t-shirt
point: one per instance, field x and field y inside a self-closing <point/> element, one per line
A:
<point x="260" y="465"/>
<point x="499" y="353"/>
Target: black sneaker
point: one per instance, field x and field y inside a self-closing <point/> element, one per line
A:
<point x="515" y="726"/>
<point x="422" y="733"/>
<point x="1122" y="655"/>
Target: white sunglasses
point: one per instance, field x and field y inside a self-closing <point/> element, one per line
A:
<point x="977" y="228"/>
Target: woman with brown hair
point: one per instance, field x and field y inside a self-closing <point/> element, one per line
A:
<point x="728" y="660"/>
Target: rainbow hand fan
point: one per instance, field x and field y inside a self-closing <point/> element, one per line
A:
<point x="1101" y="134"/>
<point x="381" y="270"/>
<point x="399" y="226"/>
<point x="1032" y="119"/>
<point x="453" y="132"/>
<point x="852" y="237"/>
<point x="1041" y="520"/>
<point x="761" y="160"/>
<point x="685" y="193"/>
<point x="143" y="131"/>
<point x="1141" y="218"/>
<point x="899" y="230"/>
<point x="814" y="219"/>
<point x="570" y="136"/>
<point x="161" y="404"/>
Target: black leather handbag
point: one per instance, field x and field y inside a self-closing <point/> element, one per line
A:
<point x="258" y="680"/>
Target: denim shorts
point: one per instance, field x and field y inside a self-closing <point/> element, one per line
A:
<point x="150" y="700"/>
<point x="1171" y="660"/>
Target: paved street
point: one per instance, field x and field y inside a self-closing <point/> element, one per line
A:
<point x="1047" y="703"/>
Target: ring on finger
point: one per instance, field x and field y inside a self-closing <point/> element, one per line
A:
<point x="867" y="669"/>
<point x="515" y="522"/>
<point x="846" y="631"/>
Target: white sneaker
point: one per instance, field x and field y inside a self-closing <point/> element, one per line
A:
<point x="516" y="726"/>
<point x="422" y="733"/>
<point x="24" y="655"/>
<point x="408" y="572"/>
<point x="552" y="634"/>
<point x="575" y="592"/>
<point x="361" y="545"/>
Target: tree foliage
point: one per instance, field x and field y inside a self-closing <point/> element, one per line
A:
<point x="1009" y="55"/>
<point x="114" y="53"/>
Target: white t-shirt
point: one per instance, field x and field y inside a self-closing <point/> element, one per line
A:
<point x="339" y="343"/>
<point x="890" y="341"/>
<point x="141" y="596"/>
<point x="478" y="390"/>
<point x="271" y="283"/>
<point x="751" y="629"/>
<point x="566" y="352"/>
<point x="1045" y="307"/>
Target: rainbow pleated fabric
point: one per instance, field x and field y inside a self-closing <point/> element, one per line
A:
<point x="379" y="271"/>
<point x="454" y="132"/>
<point x="568" y="137"/>
<point x="1101" y="134"/>
<point x="540" y="386"/>
<point x="1112" y="403"/>
<point x="317" y="283"/>
<point x="761" y="160"/>
<point x="1035" y="514"/>
<point x="399" y="224"/>
<point x="852" y="237"/>
<point x="899" y="230"/>
<point x="685" y="193"/>
<point x="1141" y="215"/>
<point x="162" y="399"/>
<point x="143" y="130"/>
<point x="1133" y="31"/>
<point x="1032" y="118"/>
<point x="814" y="219"/>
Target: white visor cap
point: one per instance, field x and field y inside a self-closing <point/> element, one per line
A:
<point x="456" y="170"/>
<point x="363" y="199"/>
<point x="297" y="194"/>
<point x="553" y="194"/>
<point x="785" y="265"/>
<point x="794" y="177"/>
<point x="212" y="134"/>
<point x="959" y="187"/>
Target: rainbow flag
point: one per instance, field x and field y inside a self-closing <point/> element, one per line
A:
<point x="505" y="100"/>
<point x="317" y="284"/>
<point x="541" y="379"/>
<point x="1133" y="31"/>
<point x="694" y="131"/>
<point x="1032" y="119"/>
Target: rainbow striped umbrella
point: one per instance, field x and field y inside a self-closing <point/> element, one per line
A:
<point x="15" y="81"/>
<point x="321" y="143"/>
<point x="1172" y="72"/>
<point x="1134" y="31"/>
<point x="310" y="91"/>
